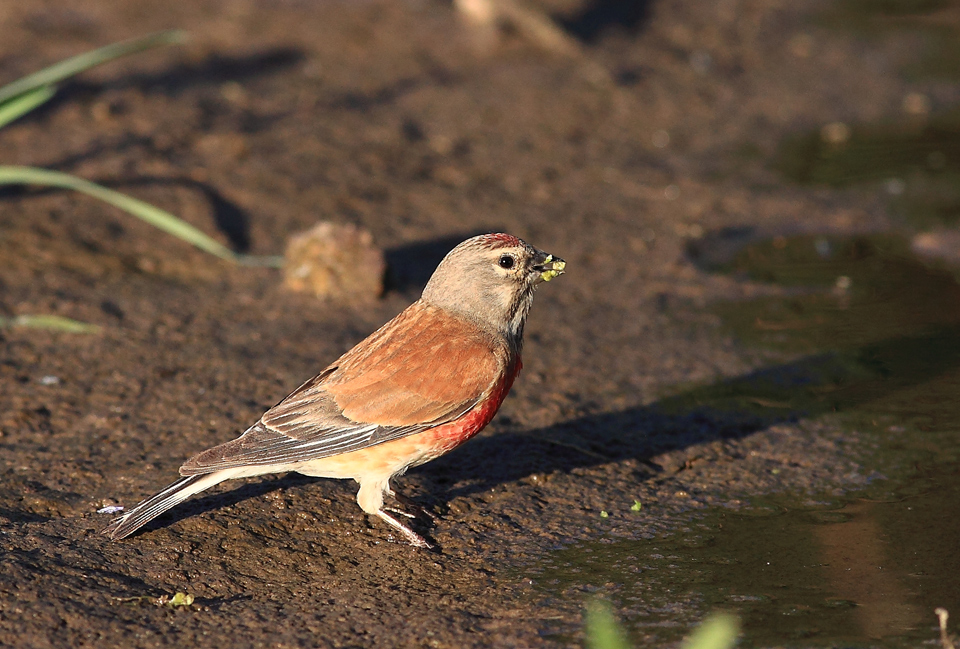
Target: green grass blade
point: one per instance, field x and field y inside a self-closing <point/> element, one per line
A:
<point x="602" y="629"/>
<point x="23" y="104"/>
<point x="718" y="631"/>
<point x="11" y="175"/>
<point x="74" y="65"/>
<point x="261" y="261"/>
<point x="53" y="322"/>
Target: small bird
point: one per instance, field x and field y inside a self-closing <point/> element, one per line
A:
<point x="418" y="387"/>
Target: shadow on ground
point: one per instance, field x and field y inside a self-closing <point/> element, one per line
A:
<point x="228" y="217"/>
<point x="411" y="265"/>
<point x="732" y="409"/>
<point x="598" y="16"/>
<point x="211" y="71"/>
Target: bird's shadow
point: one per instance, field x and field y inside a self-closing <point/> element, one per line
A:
<point x="410" y="265"/>
<point x="729" y="409"/>
<point x="211" y="502"/>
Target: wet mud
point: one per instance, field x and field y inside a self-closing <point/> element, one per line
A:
<point x="651" y="411"/>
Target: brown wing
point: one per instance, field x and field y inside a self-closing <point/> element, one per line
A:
<point x="422" y="369"/>
<point x="426" y="365"/>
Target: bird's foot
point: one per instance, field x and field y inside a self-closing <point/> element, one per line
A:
<point x="397" y="510"/>
<point x="412" y="537"/>
<point x="409" y="505"/>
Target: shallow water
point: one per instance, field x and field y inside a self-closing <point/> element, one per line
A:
<point x="874" y="335"/>
<point x="912" y="156"/>
<point x="914" y="161"/>
<point x="933" y="23"/>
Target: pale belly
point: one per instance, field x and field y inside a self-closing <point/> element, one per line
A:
<point x="386" y="460"/>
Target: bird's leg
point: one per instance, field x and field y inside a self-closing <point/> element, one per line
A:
<point x="412" y="537"/>
<point x="370" y="499"/>
<point x="400" y="512"/>
<point x="411" y="505"/>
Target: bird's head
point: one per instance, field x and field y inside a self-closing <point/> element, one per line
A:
<point x="490" y="279"/>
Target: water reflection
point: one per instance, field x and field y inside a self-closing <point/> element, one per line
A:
<point x="867" y="567"/>
<point x="854" y="554"/>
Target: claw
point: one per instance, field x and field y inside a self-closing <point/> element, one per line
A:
<point x="412" y="537"/>
<point x="414" y="506"/>
<point x="397" y="510"/>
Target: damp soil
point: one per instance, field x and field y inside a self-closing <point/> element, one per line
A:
<point x="667" y="396"/>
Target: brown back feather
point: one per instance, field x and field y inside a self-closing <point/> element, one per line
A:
<point x="425" y="365"/>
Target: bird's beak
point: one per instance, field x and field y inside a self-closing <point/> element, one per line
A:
<point x="548" y="266"/>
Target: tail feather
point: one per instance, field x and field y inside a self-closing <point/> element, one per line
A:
<point x="155" y="505"/>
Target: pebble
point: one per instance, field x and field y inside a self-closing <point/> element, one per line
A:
<point x="335" y="261"/>
<point x="835" y="133"/>
<point x="939" y="244"/>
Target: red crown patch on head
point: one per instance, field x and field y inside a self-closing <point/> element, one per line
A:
<point x="501" y="240"/>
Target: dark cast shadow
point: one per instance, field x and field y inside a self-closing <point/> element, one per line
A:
<point x="410" y="266"/>
<point x="230" y="220"/>
<point x="599" y="16"/>
<point x="228" y="217"/>
<point x="214" y="70"/>
<point x="731" y="409"/>
<point x="211" y="72"/>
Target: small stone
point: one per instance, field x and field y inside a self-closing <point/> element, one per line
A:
<point x="701" y="61"/>
<point x="233" y="92"/>
<point x="336" y="261"/>
<point x="660" y="139"/>
<point x="939" y="244"/>
<point x="477" y="12"/>
<point x="895" y="186"/>
<point x="835" y="133"/>
<point x="916" y="103"/>
<point x="801" y="45"/>
<point x="230" y="146"/>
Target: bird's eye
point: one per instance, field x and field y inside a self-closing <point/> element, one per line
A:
<point x="506" y="261"/>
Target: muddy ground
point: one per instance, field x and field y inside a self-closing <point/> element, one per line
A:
<point x="387" y="115"/>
